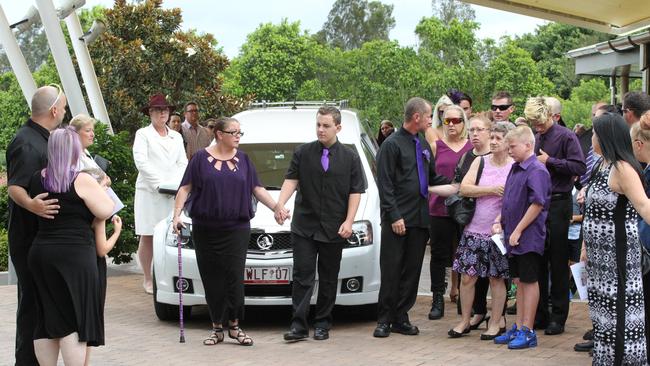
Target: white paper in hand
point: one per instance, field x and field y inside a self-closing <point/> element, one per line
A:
<point x="118" y="203"/>
<point x="579" y="272"/>
<point x="498" y="240"/>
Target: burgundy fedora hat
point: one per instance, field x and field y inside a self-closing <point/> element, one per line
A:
<point x="157" y="100"/>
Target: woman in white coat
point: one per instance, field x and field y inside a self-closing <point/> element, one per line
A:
<point x="160" y="158"/>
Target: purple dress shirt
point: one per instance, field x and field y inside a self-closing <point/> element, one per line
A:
<point x="565" y="160"/>
<point x="528" y="182"/>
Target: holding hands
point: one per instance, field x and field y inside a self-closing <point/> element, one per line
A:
<point x="281" y="214"/>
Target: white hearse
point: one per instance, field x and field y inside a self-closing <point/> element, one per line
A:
<point x="271" y="133"/>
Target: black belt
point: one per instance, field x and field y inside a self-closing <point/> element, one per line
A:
<point x="560" y="196"/>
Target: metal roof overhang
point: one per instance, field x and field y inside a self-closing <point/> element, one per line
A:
<point x="610" y="16"/>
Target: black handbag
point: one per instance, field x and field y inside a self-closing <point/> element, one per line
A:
<point x="461" y="209"/>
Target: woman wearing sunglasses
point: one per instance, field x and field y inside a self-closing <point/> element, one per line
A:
<point x="443" y="231"/>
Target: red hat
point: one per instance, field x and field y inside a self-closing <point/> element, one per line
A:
<point x="159" y="101"/>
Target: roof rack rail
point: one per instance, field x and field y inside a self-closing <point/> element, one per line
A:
<point x="299" y="103"/>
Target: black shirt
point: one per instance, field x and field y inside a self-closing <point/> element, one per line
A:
<point x="322" y="199"/>
<point x="464" y="164"/>
<point x="26" y="154"/>
<point x="398" y="181"/>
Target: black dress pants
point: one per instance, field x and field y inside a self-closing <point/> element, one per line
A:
<point x="444" y="234"/>
<point x="646" y="296"/>
<point x="556" y="259"/>
<point x="221" y="258"/>
<point x="26" y="312"/>
<point x="307" y="254"/>
<point x="400" y="263"/>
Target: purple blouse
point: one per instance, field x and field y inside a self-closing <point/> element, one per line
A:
<point x="446" y="160"/>
<point x="527" y="183"/>
<point x="220" y="199"/>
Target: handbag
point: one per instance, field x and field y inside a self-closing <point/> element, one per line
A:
<point x="461" y="209"/>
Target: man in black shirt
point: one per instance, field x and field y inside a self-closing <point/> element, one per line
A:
<point x="405" y="168"/>
<point x="27" y="154"/>
<point x="330" y="181"/>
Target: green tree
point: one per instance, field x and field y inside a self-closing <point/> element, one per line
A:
<point x="34" y="47"/>
<point x="144" y="52"/>
<point x="548" y="47"/>
<point x="514" y="70"/>
<point x="273" y="63"/>
<point x="351" y="23"/>
<point x="447" y="10"/>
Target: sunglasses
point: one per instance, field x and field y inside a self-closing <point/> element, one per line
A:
<point x="453" y="121"/>
<point x="58" y="97"/>
<point x="501" y="107"/>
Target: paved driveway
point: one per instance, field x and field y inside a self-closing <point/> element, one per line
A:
<point x="134" y="336"/>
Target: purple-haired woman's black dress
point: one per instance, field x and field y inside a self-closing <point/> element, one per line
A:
<point x="63" y="262"/>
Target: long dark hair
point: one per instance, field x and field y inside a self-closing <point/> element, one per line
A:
<point x="615" y="142"/>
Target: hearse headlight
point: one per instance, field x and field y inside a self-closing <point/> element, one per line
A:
<point x="171" y="239"/>
<point x="361" y="234"/>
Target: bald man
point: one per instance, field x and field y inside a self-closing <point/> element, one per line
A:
<point x="27" y="154"/>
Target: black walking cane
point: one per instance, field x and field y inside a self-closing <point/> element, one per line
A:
<point x="180" y="286"/>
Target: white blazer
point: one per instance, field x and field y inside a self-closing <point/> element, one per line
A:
<point x="158" y="159"/>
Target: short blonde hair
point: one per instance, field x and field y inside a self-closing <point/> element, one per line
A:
<point x="81" y="120"/>
<point x="537" y="109"/>
<point x="483" y="117"/>
<point x="521" y="134"/>
<point x="443" y="101"/>
<point x="637" y="133"/>
<point x="459" y="109"/>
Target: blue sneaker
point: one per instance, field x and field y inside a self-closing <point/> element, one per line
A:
<point x="508" y="336"/>
<point x="526" y="338"/>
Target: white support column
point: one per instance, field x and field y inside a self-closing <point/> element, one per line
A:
<point x="87" y="70"/>
<point x="62" y="59"/>
<point x="16" y="59"/>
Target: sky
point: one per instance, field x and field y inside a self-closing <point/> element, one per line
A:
<point x="231" y="21"/>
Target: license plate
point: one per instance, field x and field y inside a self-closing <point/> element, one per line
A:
<point x="267" y="275"/>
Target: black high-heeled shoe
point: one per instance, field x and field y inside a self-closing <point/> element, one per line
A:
<point x="486" y="319"/>
<point x="489" y="337"/>
<point x="454" y="334"/>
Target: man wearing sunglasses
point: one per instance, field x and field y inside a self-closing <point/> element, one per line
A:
<point x="27" y="154"/>
<point x="502" y="106"/>
<point x="635" y="104"/>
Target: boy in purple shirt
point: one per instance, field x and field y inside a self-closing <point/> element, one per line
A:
<point x="526" y="199"/>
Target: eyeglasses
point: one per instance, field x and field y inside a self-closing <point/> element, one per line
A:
<point x="159" y="109"/>
<point x="58" y="96"/>
<point x="501" y="107"/>
<point x="477" y="129"/>
<point x="192" y="111"/>
<point x="453" y="121"/>
<point x="234" y="133"/>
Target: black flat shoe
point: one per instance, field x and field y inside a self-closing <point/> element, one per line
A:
<point x="554" y="328"/>
<point x="489" y="337"/>
<point x="321" y="334"/>
<point x="382" y="330"/>
<point x="589" y="335"/>
<point x="454" y="334"/>
<point x="293" y="335"/>
<point x="485" y="319"/>
<point x="405" y="328"/>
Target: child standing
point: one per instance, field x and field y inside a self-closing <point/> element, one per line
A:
<point x="526" y="200"/>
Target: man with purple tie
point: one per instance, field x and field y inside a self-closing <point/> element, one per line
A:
<point x="405" y="169"/>
<point x="329" y="179"/>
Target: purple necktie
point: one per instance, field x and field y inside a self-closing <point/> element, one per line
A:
<point x="418" y="158"/>
<point x="325" y="160"/>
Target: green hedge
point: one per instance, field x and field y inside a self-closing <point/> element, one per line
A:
<point x="4" y="250"/>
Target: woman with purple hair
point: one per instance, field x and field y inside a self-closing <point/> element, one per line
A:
<point x="63" y="256"/>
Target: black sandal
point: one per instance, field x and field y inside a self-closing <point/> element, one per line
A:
<point x="216" y="336"/>
<point x="241" y="337"/>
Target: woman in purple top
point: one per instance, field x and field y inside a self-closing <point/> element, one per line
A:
<point x="220" y="182"/>
<point x="443" y="231"/>
<point x="477" y="256"/>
